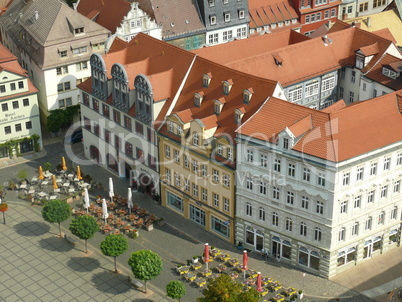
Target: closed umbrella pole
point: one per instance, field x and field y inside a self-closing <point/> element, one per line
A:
<point x="206" y="254"/>
<point x="111" y="193"/>
<point x="129" y="200"/>
<point x="105" y="214"/>
<point x="259" y="282"/>
<point x="41" y="176"/>
<point x="245" y="261"/>
<point x="79" y="176"/>
<point x="86" y="199"/>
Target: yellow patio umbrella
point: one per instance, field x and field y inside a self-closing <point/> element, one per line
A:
<point x="79" y="173"/>
<point x="54" y="182"/>
<point x="63" y="164"/>
<point x="41" y="176"/>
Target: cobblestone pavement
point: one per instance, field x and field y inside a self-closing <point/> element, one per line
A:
<point x="177" y="241"/>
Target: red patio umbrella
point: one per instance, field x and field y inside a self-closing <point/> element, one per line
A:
<point x="245" y="261"/>
<point x="259" y="282"/>
<point x="206" y="254"/>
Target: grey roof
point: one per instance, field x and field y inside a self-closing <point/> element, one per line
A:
<point x="48" y="22"/>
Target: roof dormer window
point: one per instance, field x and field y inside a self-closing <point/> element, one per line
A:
<point x="238" y="115"/>
<point x="227" y="17"/>
<point x="227" y="86"/>
<point x="218" y="104"/>
<point x="195" y="139"/>
<point x="247" y="93"/>
<point x="198" y="97"/>
<point x="79" y="30"/>
<point x="213" y="19"/>
<point x="359" y="61"/>
<point x="389" y="73"/>
<point x="206" y="79"/>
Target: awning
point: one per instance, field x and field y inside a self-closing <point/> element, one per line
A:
<point x="393" y="232"/>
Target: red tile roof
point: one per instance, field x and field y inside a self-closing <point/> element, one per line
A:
<point x="107" y="13"/>
<point x="335" y="135"/>
<point x="376" y="72"/>
<point x="300" y="61"/>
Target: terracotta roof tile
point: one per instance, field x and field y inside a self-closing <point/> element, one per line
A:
<point x="184" y="115"/>
<point x="376" y="74"/>
<point x="370" y="50"/>
<point x="336" y="136"/>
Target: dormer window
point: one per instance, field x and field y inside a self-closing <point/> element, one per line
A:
<point x="195" y="139"/>
<point x="179" y="129"/>
<point x="389" y="73"/>
<point x="227" y="17"/>
<point x="359" y="61"/>
<point x="227" y="85"/>
<point x="211" y="3"/>
<point x="213" y="20"/>
<point x="218" y="106"/>
<point x="285" y="143"/>
<point x="79" y="30"/>
<point x="206" y="79"/>
<point x="198" y="97"/>
<point x="247" y="93"/>
<point x="170" y="126"/>
<point x="241" y="14"/>
<point x="238" y="115"/>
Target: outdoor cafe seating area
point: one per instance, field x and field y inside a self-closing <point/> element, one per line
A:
<point x="197" y="274"/>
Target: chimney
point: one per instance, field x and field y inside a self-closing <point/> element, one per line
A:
<point x="368" y="22"/>
<point x="36" y="14"/>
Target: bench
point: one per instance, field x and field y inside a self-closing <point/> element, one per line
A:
<point x="137" y="284"/>
<point x="70" y="240"/>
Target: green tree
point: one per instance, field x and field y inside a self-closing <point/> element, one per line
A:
<point x="145" y="265"/>
<point x="175" y="289"/>
<point x="252" y="295"/>
<point x="47" y="166"/>
<point x="84" y="227"/>
<point x="22" y="174"/>
<point x="113" y="246"/>
<point x="56" y="211"/>
<point x="224" y="289"/>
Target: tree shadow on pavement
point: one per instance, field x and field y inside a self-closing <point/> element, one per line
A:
<point x="83" y="264"/>
<point x="32" y="228"/>
<point x="108" y="282"/>
<point x="55" y="244"/>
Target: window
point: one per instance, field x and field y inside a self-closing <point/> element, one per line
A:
<point x="357" y="201"/>
<point x="308" y="19"/>
<point x="211" y="3"/>
<point x="370" y="197"/>
<point x="306" y="174"/>
<point x="175" y="201"/>
<point x="359" y="174"/>
<point x="129" y="149"/>
<point x="176" y="154"/>
<point x="226" y="206"/>
<point x="167" y="175"/>
<point x="351" y="96"/>
<point x="333" y="12"/>
<point x="204" y="194"/>
<point x="107" y="136"/>
<point x="18" y="127"/>
<point x="373" y="169"/>
<point x="7" y="129"/>
<point x="195" y="139"/>
<point x="63" y="87"/>
<point x="295" y="94"/>
<point x="16" y="105"/>
<point x="80" y="50"/>
<point x="216" y="200"/>
<point x="368" y="223"/>
<point x="342" y="73"/>
<point x="321" y="179"/>
<point x="213" y="39"/>
<point x="345" y="180"/>
<point x="377" y="3"/>
<point x="290" y="197"/>
<point x="127" y="123"/>
<point x="203" y="170"/>
<point x="397" y="186"/>
<point x="275" y="193"/>
<point x="353" y="79"/>
<point x="341" y="92"/>
<point x="227" y="17"/>
<point x="263" y="188"/>
<point x="81" y="66"/>
<point x="215" y="175"/>
<point x="25" y="102"/>
<point x="341" y="234"/>
<point x="186" y="161"/>
<point x="213" y="20"/>
<point x="328" y="83"/>
<point x="317" y="234"/>
<point x="12" y="86"/>
<point x="219" y="226"/>
<point x="28" y="125"/>
<point x="394" y="213"/>
<point x="319" y="207"/>
<point x="262" y="214"/>
<point x="220" y="149"/>
<point x="227" y="35"/>
<point x="399" y="159"/>
<point x="241" y="14"/>
<point x="249" y="183"/>
<point x="167" y="151"/>
<point x="63" y="54"/>
<point x="249" y="156"/>
<point x="384" y="190"/>
<point x="249" y="209"/>
<point x="291" y="170"/>
<point x="363" y="7"/>
<point x="288" y="224"/>
<point x="177" y="179"/>
<point x="277" y="165"/>
<point x="311" y="88"/>
<point x="263" y="160"/>
<point x="226" y="181"/>
<point x="387" y="163"/>
<point x="374" y="93"/>
<point x="139" y="128"/>
<point x="275" y="219"/>
<point x="344" y="207"/>
<point x="303" y="229"/>
<point x="186" y="185"/>
<point x="62" y="70"/>
<point x="381" y="218"/>
<point x="326" y="14"/>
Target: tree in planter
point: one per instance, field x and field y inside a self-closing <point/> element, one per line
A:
<point x="224" y="289"/>
<point x="145" y="265"/>
<point x="113" y="246"/>
<point x="22" y="174"/>
<point x="47" y="166"/>
<point x="56" y="211"/>
<point x="84" y="227"/>
<point x="175" y="290"/>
